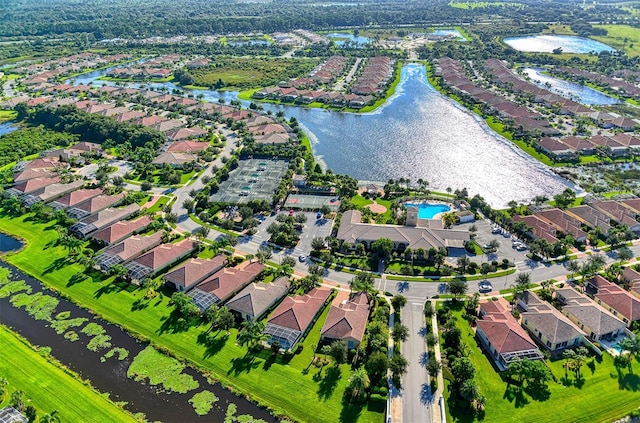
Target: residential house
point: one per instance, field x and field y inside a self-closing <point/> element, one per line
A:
<point x="127" y="250"/>
<point x="94" y="205"/>
<point x="258" y="297"/>
<point x="121" y="230"/>
<point x="161" y="257"/>
<point x="347" y="320"/>
<point x="547" y="325"/>
<point x="174" y="159"/>
<point x="615" y="299"/>
<point x="631" y="278"/>
<point x="592" y="318"/>
<point x="193" y="272"/>
<point x="50" y="192"/>
<point x="224" y="284"/>
<point x="590" y="217"/>
<point x="293" y="317"/>
<point x="33" y="173"/>
<point x="187" y="147"/>
<point x="75" y="197"/>
<point x="30" y="186"/>
<point x="102" y="219"/>
<point x="502" y="336"/>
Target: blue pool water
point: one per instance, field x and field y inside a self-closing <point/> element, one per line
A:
<point x="427" y="211"/>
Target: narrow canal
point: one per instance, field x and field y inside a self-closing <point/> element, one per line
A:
<point x="111" y="375"/>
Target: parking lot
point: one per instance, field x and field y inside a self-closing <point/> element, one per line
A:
<point x="505" y="250"/>
<point x="253" y="179"/>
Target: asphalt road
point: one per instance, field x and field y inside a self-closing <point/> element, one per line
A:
<point x="415" y="393"/>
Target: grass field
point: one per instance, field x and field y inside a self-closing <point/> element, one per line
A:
<point x="621" y="37"/>
<point x="247" y="73"/>
<point x="603" y="394"/>
<point x="283" y="388"/>
<point x="50" y="387"/>
<point x="7" y="115"/>
<point x="484" y="4"/>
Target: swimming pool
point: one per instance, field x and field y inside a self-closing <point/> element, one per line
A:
<point x="427" y="211"/>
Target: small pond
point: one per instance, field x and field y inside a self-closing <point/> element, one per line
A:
<point x="448" y="33"/>
<point x="547" y="43"/>
<point x="7" y="127"/>
<point x="248" y="43"/>
<point x="8" y="243"/>
<point x="577" y="92"/>
<point x="342" y="37"/>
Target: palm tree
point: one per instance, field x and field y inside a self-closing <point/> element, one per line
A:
<point x="632" y="345"/>
<point x="251" y="334"/>
<point x="53" y="417"/>
<point x="358" y="382"/>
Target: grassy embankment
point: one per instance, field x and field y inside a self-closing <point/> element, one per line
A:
<point x="602" y="393"/>
<point x="284" y="388"/>
<point x="7" y="115"/>
<point x="50" y="386"/>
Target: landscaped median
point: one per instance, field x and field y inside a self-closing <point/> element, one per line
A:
<point x="283" y="388"/>
<point x="50" y="386"/>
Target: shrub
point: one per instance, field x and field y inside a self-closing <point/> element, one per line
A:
<point x="299" y="348"/>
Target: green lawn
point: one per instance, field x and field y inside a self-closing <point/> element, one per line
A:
<point x="282" y="388"/>
<point x="7" y="115"/>
<point x="603" y="395"/>
<point x="51" y="387"/>
<point x="616" y="36"/>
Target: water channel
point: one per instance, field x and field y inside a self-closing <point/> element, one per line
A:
<point x="7" y="127"/>
<point x="580" y="93"/>
<point x="418" y="133"/>
<point x="111" y="375"/>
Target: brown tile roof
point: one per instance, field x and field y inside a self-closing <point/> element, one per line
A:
<point x="134" y="246"/>
<point x="347" y="319"/>
<point x="257" y="297"/>
<point x="122" y="229"/>
<point x="227" y="281"/>
<point x="53" y="191"/>
<point x="552" y="324"/>
<point x="298" y="311"/>
<point x="165" y="254"/>
<point x="617" y="298"/>
<point x="42" y="164"/>
<point x="78" y="196"/>
<point x="195" y="270"/>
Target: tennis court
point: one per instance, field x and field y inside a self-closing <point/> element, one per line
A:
<point x="253" y="179"/>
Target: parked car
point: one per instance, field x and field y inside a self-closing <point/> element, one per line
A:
<point x="319" y="215"/>
<point x="485" y="286"/>
<point x="302" y="258"/>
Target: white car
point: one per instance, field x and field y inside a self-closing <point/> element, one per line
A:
<point x="485" y="286"/>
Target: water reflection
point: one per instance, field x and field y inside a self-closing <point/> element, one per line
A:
<point x="547" y="43"/>
<point x="418" y="133"/>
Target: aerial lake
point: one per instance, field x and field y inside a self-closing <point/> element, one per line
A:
<point x="547" y="43"/>
<point x="577" y="92"/>
<point x="7" y="127"/>
<point x="418" y="133"/>
<point x="342" y="37"/>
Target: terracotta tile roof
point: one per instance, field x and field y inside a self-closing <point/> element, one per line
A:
<point x="33" y="173"/>
<point x="100" y="202"/>
<point x="502" y="330"/>
<point x="109" y="215"/>
<point x="56" y="190"/>
<point x="347" y="319"/>
<point x="176" y="159"/>
<point x="195" y="270"/>
<point x="134" y="246"/>
<point x="298" y="311"/>
<point x="35" y="184"/>
<point x="42" y="164"/>
<point x="122" y="229"/>
<point x="227" y="281"/>
<point x="184" y="133"/>
<point x="187" y="146"/>
<point x="165" y="254"/>
<point x="78" y="196"/>
<point x="617" y="298"/>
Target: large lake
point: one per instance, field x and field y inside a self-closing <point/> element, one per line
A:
<point x="547" y="43"/>
<point x="576" y="92"/>
<point x="418" y="133"/>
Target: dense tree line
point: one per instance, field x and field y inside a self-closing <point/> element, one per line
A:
<point x="31" y="140"/>
<point x="138" y="19"/>
<point x="95" y="128"/>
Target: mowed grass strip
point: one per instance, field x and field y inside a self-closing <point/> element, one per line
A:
<point x="50" y="387"/>
<point x="621" y="37"/>
<point x="282" y="388"/>
<point x="604" y="395"/>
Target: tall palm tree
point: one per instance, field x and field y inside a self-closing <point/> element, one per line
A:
<point x="632" y="345"/>
<point x="358" y="382"/>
